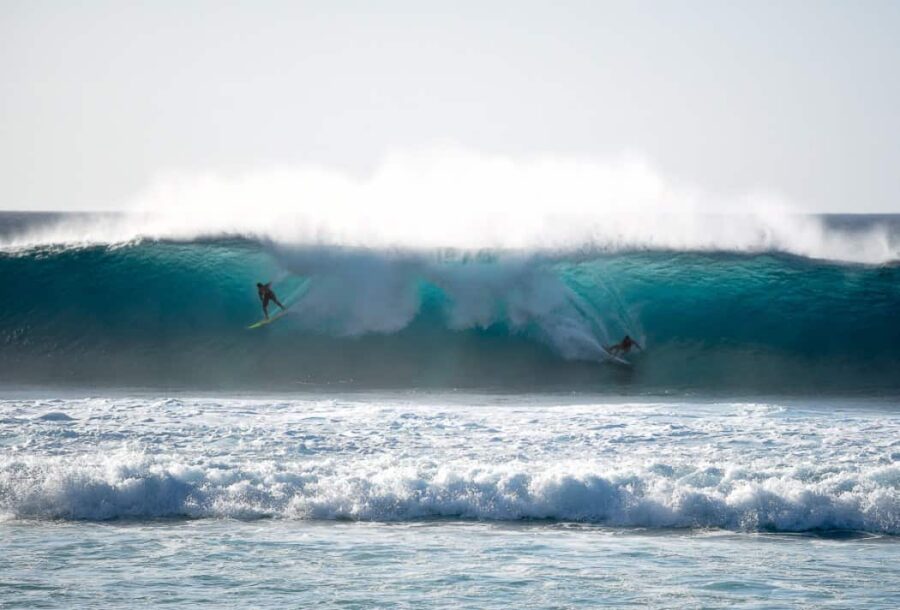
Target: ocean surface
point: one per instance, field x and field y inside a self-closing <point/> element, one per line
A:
<point x="435" y="428"/>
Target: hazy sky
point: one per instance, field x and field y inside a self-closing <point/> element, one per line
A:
<point x="799" y="98"/>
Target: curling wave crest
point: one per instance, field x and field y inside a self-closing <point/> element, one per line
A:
<point x="452" y="198"/>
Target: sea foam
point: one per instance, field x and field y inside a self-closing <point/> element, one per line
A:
<point x="661" y="496"/>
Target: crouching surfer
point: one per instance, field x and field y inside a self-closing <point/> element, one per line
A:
<point x="266" y="294"/>
<point x="623" y="347"/>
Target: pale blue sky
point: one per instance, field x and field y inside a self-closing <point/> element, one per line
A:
<point x="798" y="98"/>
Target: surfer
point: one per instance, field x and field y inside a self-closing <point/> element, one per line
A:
<point x="266" y="294"/>
<point x="623" y="347"/>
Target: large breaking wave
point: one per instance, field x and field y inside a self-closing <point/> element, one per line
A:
<point x="452" y="269"/>
<point x="175" y="312"/>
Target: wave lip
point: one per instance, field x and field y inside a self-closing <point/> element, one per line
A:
<point x="799" y="235"/>
<point x="135" y="486"/>
<point x="451" y="198"/>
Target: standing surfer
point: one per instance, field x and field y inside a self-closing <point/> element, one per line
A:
<point x="266" y="294"/>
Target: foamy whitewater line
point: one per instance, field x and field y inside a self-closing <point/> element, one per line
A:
<point x="467" y="201"/>
<point x="730" y="497"/>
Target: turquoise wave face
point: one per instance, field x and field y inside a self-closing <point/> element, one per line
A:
<point x="176" y="314"/>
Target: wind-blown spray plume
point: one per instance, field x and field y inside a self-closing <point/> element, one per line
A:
<point x="468" y="201"/>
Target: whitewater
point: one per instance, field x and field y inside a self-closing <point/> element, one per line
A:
<point x="448" y="499"/>
<point x="742" y="466"/>
<point x="437" y="421"/>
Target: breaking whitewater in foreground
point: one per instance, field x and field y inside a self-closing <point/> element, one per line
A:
<point x="744" y="467"/>
<point x="487" y="501"/>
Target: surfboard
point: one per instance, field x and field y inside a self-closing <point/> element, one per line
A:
<point x="619" y="359"/>
<point x="271" y="319"/>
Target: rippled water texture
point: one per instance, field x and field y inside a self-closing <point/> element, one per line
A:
<point x="275" y="564"/>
